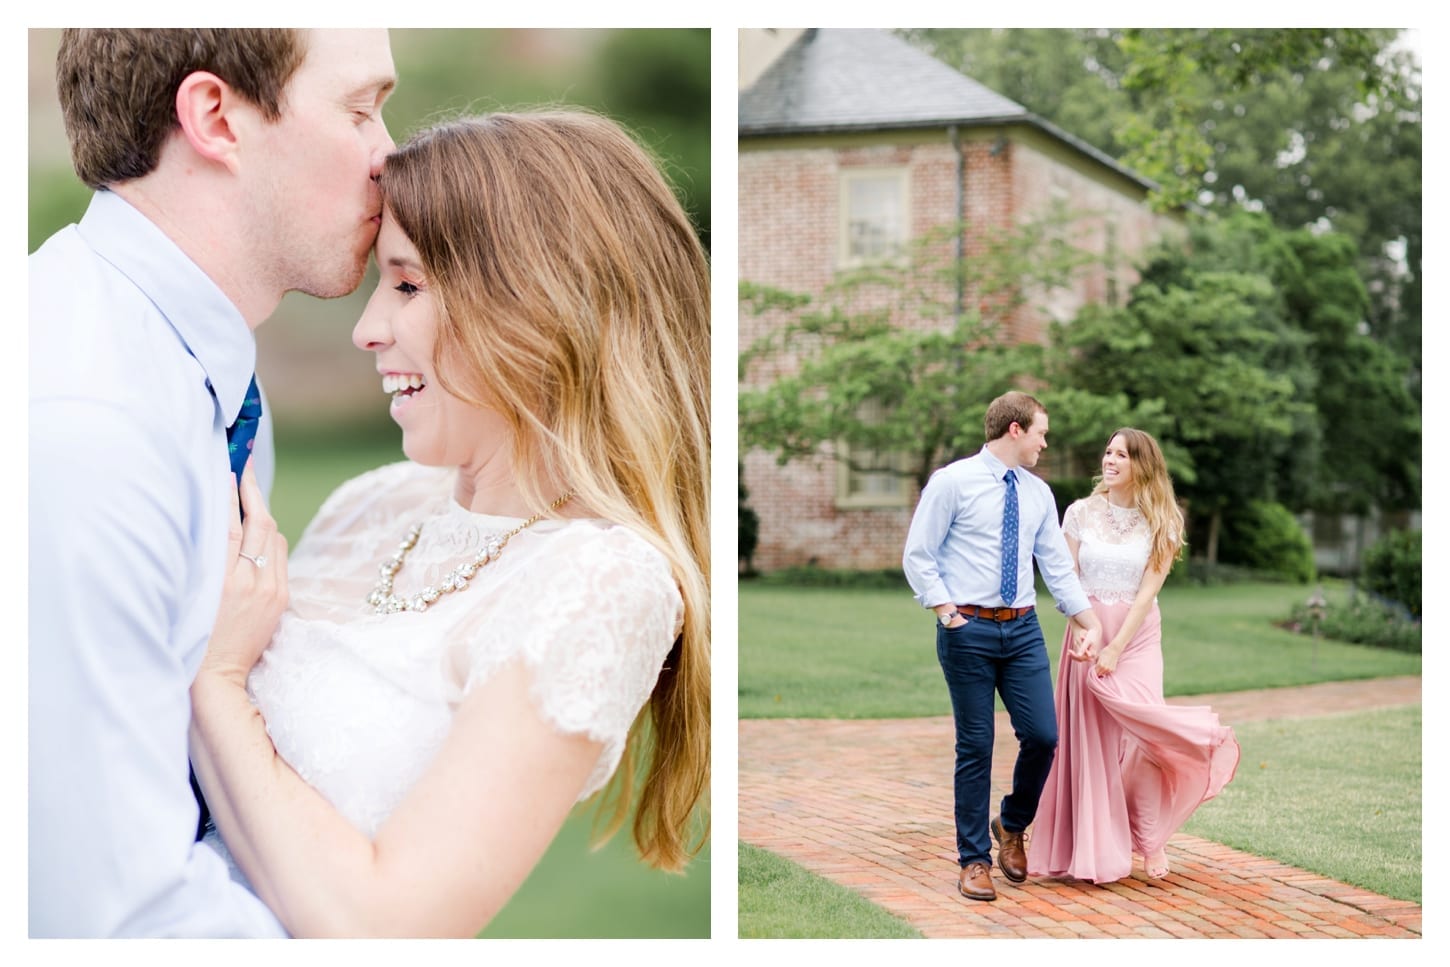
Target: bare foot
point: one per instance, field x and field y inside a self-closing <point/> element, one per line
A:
<point x="1156" y="866"/>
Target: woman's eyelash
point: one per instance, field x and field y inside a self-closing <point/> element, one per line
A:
<point x="407" y="288"/>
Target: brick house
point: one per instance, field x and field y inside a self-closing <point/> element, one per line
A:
<point x="850" y="143"/>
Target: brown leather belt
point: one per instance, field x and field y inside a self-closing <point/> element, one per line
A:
<point x="993" y="614"/>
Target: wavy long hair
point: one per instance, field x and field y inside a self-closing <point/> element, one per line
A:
<point x="574" y="299"/>
<point x="1153" y="495"/>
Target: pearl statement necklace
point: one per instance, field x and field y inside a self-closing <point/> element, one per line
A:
<point x="1122" y="521"/>
<point x="384" y="601"/>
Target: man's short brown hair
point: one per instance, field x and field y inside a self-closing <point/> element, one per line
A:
<point x="1009" y="408"/>
<point x="118" y="87"/>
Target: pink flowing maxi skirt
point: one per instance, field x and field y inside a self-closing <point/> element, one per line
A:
<point x="1130" y="769"/>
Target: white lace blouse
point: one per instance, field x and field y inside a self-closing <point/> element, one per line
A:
<point x="358" y="704"/>
<point x="1113" y="546"/>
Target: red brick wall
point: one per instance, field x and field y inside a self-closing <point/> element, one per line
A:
<point x="789" y="225"/>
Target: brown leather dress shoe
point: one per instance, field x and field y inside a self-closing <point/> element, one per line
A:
<point x="1011" y="853"/>
<point x="976" y="882"/>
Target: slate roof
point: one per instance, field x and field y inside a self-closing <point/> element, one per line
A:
<point x="857" y="79"/>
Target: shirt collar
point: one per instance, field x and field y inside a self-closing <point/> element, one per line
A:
<point x="997" y="467"/>
<point x="211" y="328"/>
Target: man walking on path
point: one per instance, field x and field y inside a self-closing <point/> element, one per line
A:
<point x="978" y="526"/>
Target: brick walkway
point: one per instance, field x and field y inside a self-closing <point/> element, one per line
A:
<point x="887" y="834"/>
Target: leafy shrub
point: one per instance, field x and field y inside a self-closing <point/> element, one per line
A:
<point x="1265" y="537"/>
<point x="1361" y="621"/>
<point x="1204" y="573"/>
<point x="1392" y="568"/>
<point x="749" y="527"/>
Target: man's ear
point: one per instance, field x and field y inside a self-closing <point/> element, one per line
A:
<point x="204" y="105"/>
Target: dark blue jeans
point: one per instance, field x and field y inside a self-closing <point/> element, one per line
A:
<point x="979" y="659"/>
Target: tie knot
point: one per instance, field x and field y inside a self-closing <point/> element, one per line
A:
<point x="252" y="402"/>
<point x="1010" y="476"/>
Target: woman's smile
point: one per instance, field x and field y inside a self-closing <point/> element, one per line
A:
<point x="403" y="387"/>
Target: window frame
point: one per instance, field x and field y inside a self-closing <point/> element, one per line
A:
<point x="899" y="174"/>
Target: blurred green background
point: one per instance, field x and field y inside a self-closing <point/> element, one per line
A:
<point x="331" y="415"/>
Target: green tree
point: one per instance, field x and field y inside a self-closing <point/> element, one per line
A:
<point x="1315" y="127"/>
<point x="1311" y="150"/>
<point x="1182" y="74"/>
<point x="1369" y="420"/>
<point x="892" y="364"/>
<point x="1210" y="350"/>
<point x="1359" y="388"/>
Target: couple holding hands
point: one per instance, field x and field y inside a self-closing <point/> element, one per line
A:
<point x="1112" y="770"/>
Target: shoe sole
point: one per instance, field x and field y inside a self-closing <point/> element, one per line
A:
<point x="973" y="896"/>
<point x="997" y="831"/>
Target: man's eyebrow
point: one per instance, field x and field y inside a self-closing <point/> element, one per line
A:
<point x="382" y="84"/>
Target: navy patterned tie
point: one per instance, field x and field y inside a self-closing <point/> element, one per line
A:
<point x="242" y="434"/>
<point x="1009" y="541"/>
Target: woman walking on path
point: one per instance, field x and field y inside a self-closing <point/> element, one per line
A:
<point x="1130" y="769"/>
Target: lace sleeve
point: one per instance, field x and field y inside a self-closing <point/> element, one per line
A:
<point x="1071" y="521"/>
<point x="597" y="616"/>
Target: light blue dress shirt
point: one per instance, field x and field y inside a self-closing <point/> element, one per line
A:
<point x="138" y="363"/>
<point x="954" y="547"/>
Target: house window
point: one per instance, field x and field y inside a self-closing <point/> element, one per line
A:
<point x="873" y="214"/>
<point x="872" y="478"/>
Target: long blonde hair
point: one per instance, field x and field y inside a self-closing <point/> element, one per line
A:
<point x="574" y="299"/>
<point x="1153" y="495"/>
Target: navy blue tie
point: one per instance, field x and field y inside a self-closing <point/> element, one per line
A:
<point x="1009" y="541"/>
<point x="243" y="433"/>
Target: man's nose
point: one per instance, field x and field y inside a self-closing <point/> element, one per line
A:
<point x="382" y="147"/>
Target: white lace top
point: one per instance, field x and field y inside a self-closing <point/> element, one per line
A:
<point x="360" y="703"/>
<point x="1113" y="546"/>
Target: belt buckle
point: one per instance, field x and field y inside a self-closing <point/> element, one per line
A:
<point x="1004" y="614"/>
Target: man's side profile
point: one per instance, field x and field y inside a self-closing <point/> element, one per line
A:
<point x="229" y="167"/>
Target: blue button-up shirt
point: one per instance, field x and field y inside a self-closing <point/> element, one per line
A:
<point x="954" y="548"/>
<point x="138" y="363"/>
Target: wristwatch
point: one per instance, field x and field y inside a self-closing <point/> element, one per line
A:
<point x="946" y="619"/>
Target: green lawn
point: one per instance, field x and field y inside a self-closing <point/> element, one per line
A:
<point x="780" y="899"/>
<point x="1336" y="794"/>
<point x="574" y="892"/>
<point x="577" y="893"/>
<point x="854" y="653"/>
